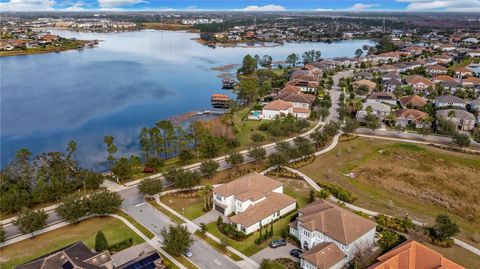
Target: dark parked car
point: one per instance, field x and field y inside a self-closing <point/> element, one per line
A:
<point x="296" y="252"/>
<point x="278" y="243"/>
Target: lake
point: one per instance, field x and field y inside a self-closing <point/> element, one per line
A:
<point x="131" y="80"/>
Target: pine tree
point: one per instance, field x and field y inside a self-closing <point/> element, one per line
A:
<point x="101" y="242"/>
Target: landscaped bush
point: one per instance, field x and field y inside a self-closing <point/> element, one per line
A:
<point x="230" y="231"/>
<point x="339" y="192"/>
<point x="395" y="223"/>
<point x="282" y="172"/>
<point x="303" y="162"/>
<point x="121" y="245"/>
<point x="284" y="126"/>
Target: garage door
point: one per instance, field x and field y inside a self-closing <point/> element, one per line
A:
<point x="220" y="209"/>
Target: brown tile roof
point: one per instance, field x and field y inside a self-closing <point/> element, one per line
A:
<point x="324" y="255"/>
<point x="412" y="114"/>
<point x="437" y="67"/>
<point x="290" y="89"/>
<point x="463" y="70"/>
<point x="273" y="202"/>
<point x="472" y="80"/>
<point x="278" y="105"/>
<point x="443" y="78"/>
<point x="368" y="83"/>
<point x="249" y="186"/>
<point x="299" y="98"/>
<point x="413" y="255"/>
<point x="414" y="100"/>
<point x="382" y="95"/>
<point x="418" y="79"/>
<point x="336" y="222"/>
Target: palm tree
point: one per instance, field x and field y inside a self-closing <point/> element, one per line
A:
<point x="206" y="196"/>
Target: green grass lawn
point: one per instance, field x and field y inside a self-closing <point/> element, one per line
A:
<point x="170" y="215"/>
<point x="400" y="178"/>
<point x="191" y="203"/>
<point x="248" y="246"/>
<point x="115" y="231"/>
<point x="218" y="246"/>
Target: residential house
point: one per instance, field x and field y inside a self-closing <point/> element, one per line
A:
<point x="411" y="117"/>
<point x="413" y="255"/>
<point x="255" y="199"/>
<point x="383" y="97"/>
<point x="436" y="70"/>
<point x="391" y="75"/>
<point x="419" y="84"/>
<point x="451" y="86"/>
<point x="325" y="255"/>
<point x="76" y="255"/>
<point x="442" y="78"/>
<point x="392" y="84"/>
<point x="363" y="82"/>
<point x="449" y="101"/>
<point x="299" y="100"/>
<point x="463" y="120"/>
<point x="470" y="40"/>
<point x="323" y="222"/>
<point x="474" y="53"/>
<point x="442" y="58"/>
<point x="363" y="75"/>
<point x="471" y="82"/>
<point x="386" y="57"/>
<point x="304" y="85"/>
<point x="378" y="109"/>
<point x="388" y="68"/>
<point x="447" y="47"/>
<point x="281" y="108"/>
<point x="412" y="101"/>
<point x="462" y="72"/>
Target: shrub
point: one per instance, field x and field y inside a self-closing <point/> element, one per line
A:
<point x="339" y="192"/>
<point x="121" y="245"/>
<point x="101" y="242"/>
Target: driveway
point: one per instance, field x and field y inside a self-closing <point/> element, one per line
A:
<point x="211" y="216"/>
<point x="274" y="253"/>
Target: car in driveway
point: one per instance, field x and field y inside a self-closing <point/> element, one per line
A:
<point x="188" y="253"/>
<point x="296" y="252"/>
<point x="278" y="243"/>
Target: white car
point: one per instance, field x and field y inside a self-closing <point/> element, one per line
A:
<point x="188" y="253"/>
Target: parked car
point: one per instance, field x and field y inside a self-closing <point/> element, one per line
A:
<point x="278" y="243"/>
<point x="187" y="253"/>
<point x="296" y="252"/>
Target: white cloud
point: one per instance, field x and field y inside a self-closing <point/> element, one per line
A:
<point x="361" y="6"/>
<point x="323" y="9"/>
<point x="78" y="6"/>
<point x="114" y="4"/>
<point x="265" y="8"/>
<point x="27" y="5"/>
<point x="443" y="5"/>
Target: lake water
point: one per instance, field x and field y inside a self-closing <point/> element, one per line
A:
<point x="130" y="80"/>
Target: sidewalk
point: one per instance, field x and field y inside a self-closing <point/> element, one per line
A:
<point x="315" y="186"/>
<point x="247" y="263"/>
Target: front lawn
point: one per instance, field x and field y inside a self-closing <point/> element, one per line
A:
<point x="192" y="203"/>
<point x="115" y="231"/>
<point x="248" y="246"/>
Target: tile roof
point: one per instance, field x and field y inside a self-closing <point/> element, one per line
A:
<point x="411" y="114"/>
<point x="414" y="100"/>
<point x="324" y="255"/>
<point x="366" y="82"/>
<point x="251" y="186"/>
<point x="459" y="114"/>
<point x="413" y="255"/>
<point x="382" y="96"/>
<point x="299" y="98"/>
<point x="273" y="202"/>
<point x="415" y="79"/>
<point x="336" y="222"/>
<point x="278" y="105"/>
<point x="449" y="99"/>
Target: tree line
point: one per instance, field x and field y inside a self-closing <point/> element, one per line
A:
<point x="28" y="180"/>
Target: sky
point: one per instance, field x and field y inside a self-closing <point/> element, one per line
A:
<point x="241" y="5"/>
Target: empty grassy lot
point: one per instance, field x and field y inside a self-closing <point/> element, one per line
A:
<point x="400" y="178"/>
<point x="192" y="203"/>
<point x="115" y="231"/>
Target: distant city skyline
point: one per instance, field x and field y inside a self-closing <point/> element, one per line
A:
<point x="241" y="5"/>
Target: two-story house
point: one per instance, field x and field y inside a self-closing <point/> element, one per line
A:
<point x="254" y="200"/>
<point x="322" y="222"/>
<point x="463" y="120"/>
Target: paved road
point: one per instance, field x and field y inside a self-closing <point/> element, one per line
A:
<point x="274" y="253"/>
<point x="203" y="255"/>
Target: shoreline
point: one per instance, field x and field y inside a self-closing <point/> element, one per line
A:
<point x="32" y="51"/>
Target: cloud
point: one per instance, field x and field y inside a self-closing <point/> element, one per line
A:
<point x="361" y="6"/>
<point x="265" y="8"/>
<point x="323" y="9"/>
<point x="443" y="5"/>
<point x="27" y="5"/>
<point x="78" y="6"/>
<point x="115" y="4"/>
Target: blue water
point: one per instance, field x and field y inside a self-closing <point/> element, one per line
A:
<point x="130" y="80"/>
